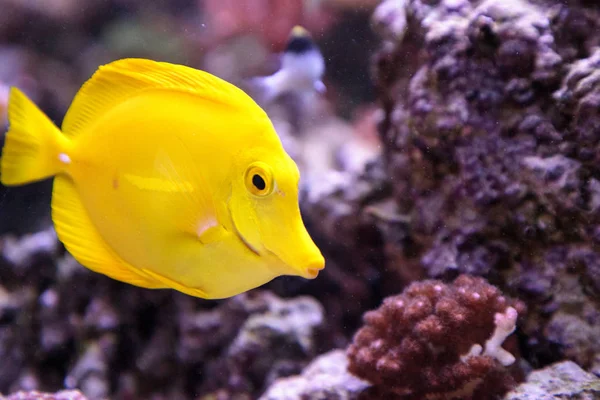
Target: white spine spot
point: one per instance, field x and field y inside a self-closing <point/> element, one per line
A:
<point x="205" y="225"/>
<point x="64" y="158"/>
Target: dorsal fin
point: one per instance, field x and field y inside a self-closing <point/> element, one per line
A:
<point x="114" y="83"/>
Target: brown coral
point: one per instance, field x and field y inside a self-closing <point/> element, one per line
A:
<point x="426" y="341"/>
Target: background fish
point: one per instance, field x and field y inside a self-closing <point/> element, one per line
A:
<point x="166" y="177"/>
<point x="302" y="68"/>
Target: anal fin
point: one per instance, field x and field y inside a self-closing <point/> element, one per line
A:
<point x="81" y="238"/>
<point x="170" y="283"/>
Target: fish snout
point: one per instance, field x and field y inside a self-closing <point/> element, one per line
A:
<point x="312" y="268"/>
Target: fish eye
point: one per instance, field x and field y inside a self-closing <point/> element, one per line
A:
<point x="259" y="180"/>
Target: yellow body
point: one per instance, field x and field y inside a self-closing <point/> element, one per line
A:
<point x="166" y="177"/>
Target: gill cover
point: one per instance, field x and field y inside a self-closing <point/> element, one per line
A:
<point x="264" y="209"/>
<point x="243" y="214"/>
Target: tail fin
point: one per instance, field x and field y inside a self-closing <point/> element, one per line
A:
<point x="35" y="148"/>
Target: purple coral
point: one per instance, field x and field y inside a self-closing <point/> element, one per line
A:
<point x="35" y="395"/>
<point x="428" y="340"/>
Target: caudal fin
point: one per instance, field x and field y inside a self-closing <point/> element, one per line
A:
<point x="34" y="148"/>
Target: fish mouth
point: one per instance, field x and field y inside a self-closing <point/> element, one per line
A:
<point x="307" y="270"/>
<point x="312" y="273"/>
<point x="313" y="268"/>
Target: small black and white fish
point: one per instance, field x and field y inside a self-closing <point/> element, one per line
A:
<point x="302" y="68"/>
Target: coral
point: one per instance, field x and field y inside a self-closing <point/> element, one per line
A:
<point x="243" y="344"/>
<point x="35" y="395"/>
<point x="577" y="336"/>
<point x="505" y="323"/>
<point x="565" y="380"/>
<point x="62" y="325"/>
<point x="3" y="104"/>
<point x="70" y="327"/>
<point x="352" y="244"/>
<point x="284" y="332"/>
<point x="90" y="373"/>
<point x="427" y="340"/>
<point x="389" y="18"/>
<point x="490" y="164"/>
<point x="326" y="377"/>
<point x="23" y="251"/>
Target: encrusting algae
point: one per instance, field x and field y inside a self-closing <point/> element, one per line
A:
<point x="166" y="177"/>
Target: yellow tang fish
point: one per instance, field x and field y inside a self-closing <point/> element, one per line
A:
<point x="166" y="177"/>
